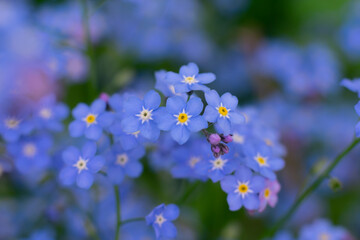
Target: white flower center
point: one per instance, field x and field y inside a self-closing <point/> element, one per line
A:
<point x="45" y="113"/>
<point x="81" y="164"/>
<point x="160" y="219"/>
<point x="189" y="80"/>
<point x="145" y="115"/>
<point x="12" y="123"/>
<point x="122" y="159"/>
<point x="182" y="118"/>
<point x="243" y="189"/>
<point x="29" y="150"/>
<point x="237" y="138"/>
<point x="218" y="163"/>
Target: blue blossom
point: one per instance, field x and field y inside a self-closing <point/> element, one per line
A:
<point x="242" y="189"/>
<point x="80" y="166"/>
<point x="139" y="115"/>
<point x="189" y="79"/>
<point x="124" y="163"/>
<point x="322" y="229"/>
<point x="352" y="85"/>
<point x="164" y="86"/>
<point x="14" y="126"/>
<point x="90" y="121"/>
<point x="217" y="168"/>
<point x="222" y="111"/>
<point x="161" y="219"/>
<point x="357" y="128"/>
<point x="31" y="154"/>
<point x="261" y="159"/>
<point x="181" y="118"/>
<point x="189" y="158"/>
<point x="49" y="114"/>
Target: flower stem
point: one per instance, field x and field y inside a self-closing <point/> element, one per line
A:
<point x="311" y="188"/>
<point x="118" y="218"/>
<point x="188" y="192"/>
<point x="132" y="220"/>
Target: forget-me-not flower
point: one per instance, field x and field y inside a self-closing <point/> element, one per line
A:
<point x="222" y="111"/>
<point x="322" y="229"/>
<point x="181" y="118"/>
<point x="161" y="219"/>
<point x="189" y="79"/>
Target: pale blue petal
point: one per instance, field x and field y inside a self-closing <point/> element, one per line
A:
<point x="163" y="119"/>
<point x="223" y="125"/>
<point x="234" y="201"/>
<point x="243" y="173"/>
<point x="277" y="164"/>
<point x="268" y="173"/>
<point x="257" y="184"/>
<point x="80" y="111"/>
<point x="357" y="108"/>
<point x="88" y="150"/>
<point x="212" y="98"/>
<point x="133" y="169"/>
<point x="149" y="130"/>
<point x="180" y="134"/>
<point x="106" y="119"/>
<point x="189" y="70"/>
<point x="198" y="87"/>
<point x="96" y="163"/>
<point x="237" y="118"/>
<point x="211" y="114"/>
<point x="206" y="78"/>
<point x="228" y="184"/>
<point x="251" y="202"/>
<point x="85" y="180"/>
<point x="132" y="105"/>
<point x="93" y="132"/>
<point x="116" y="174"/>
<point x="216" y="175"/>
<point x="70" y="155"/>
<point x="152" y="100"/>
<point x="67" y="176"/>
<point x="181" y="88"/>
<point x="171" y="212"/>
<point x="197" y="123"/>
<point x="130" y="124"/>
<point x="175" y="105"/>
<point x="98" y="106"/>
<point x="173" y="78"/>
<point x="194" y="106"/>
<point x="168" y="230"/>
<point x="229" y="101"/>
<point x="77" y="128"/>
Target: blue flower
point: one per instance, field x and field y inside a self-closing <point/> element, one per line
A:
<point x="90" y="120"/>
<point x="353" y="85"/>
<point x="49" y="114"/>
<point x="261" y="159"/>
<point x="161" y="219"/>
<point x="222" y="111"/>
<point x="80" y="166"/>
<point x="357" y="128"/>
<point x="322" y="229"/>
<point x="242" y="189"/>
<point x="124" y="163"/>
<point x="14" y="126"/>
<point x="139" y="115"/>
<point x="181" y="118"/>
<point x="189" y="79"/>
<point x="164" y="86"/>
<point x="31" y="153"/>
<point x="217" y="168"/>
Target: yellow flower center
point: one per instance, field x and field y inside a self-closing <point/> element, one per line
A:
<point x="223" y="111"/>
<point x="243" y="188"/>
<point x="12" y="123"/>
<point x="267" y="193"/>
<point x="190" y="80"/>
<point x="262" y="161"/>
<point x="183" y="117"/>
<point x="90" y="119"/>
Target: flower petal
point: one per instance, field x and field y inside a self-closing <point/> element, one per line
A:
<point x="195" y="106"/>
<point x="93" y="132"/>
<point x="80" y="111"/>
<point x="206" y="78"/>
<point x="77" y="128"/>
<point x="130" y="124"/>
<point x="175" y="105"/>
<point x="197" y="123"/>
<point x="85" y="180"/>
<point x="98" y="106"/>
<point x="96" y="164"/>
<point x="251" y="202"/>
<point x="229" y="101"/>
<point x="152" y="100"/>
<point x="189" y="70"/>
<point x="163" y="119"/>
<point x="212" y="98"/>
<point x="180" y="134"/>
<point x="171" y="212"/>
<point x="235" y="202"/>
<point x="211" y="114"/>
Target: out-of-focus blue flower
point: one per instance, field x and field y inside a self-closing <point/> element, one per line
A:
<point x="14" y="126"/>
<point x="352" y="85"/>
<point x="90" y="121"/>
<point x="49" y="114"/>
<point x="357" y="128"/>
<point x="188" y="159"/>
<point x="80" y="167"/>
<point x="139" y="115"/>
<point x="283" y="235"/>
<point x="44" y="234"/>
<point x="181" y="118"/>
<point x="31" y="153"/>
<point x="164" y="86"/>
<point x="189" y="79"/>
<point x="322" y="229"/>
<point x="124" y="163"/>
<point x="222" y="111"/>
<point x="242" y="189"/>
<point x="261" y="159"/>
<point x="161" y="219"/>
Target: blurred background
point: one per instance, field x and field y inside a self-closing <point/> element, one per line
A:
<point x="286" y="58"/>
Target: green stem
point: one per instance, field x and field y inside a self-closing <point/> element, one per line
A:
<point x="118" y="218"/>
<point x="188" y="192"/>
<point x="89" y="47"/>
<point x="132" y="220"/>
<point x="311" y="188"/>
